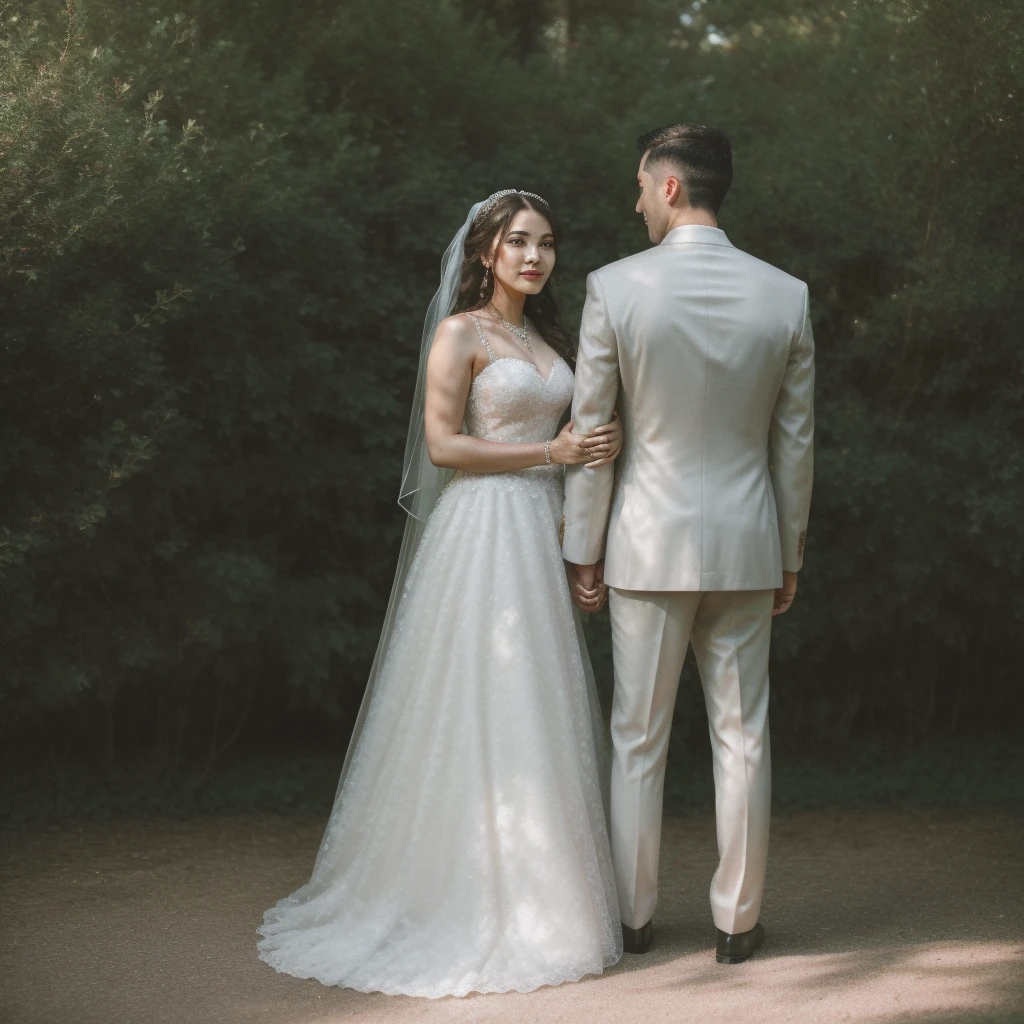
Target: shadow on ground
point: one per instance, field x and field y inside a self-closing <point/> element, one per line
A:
<point x="872" y="917"/>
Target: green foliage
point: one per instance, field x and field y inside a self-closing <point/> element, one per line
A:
<point x="949" y="774"/>
<point x="221" y="225"/>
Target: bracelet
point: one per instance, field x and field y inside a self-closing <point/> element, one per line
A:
<point x="547" y="453"/>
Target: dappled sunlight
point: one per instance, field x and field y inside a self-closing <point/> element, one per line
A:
<point x="937" y="981"/>
<point x="873" y="984"/>
<point x="506" y="634"/>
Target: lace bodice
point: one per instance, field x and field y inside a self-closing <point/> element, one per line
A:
<point x="510" y="400"/>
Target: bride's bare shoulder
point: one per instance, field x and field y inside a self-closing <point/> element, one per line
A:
<point x="457" y="334"/>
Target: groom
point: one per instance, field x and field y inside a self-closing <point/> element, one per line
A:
<point x="698" y="530"/>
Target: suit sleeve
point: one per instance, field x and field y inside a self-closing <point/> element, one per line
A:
<point x="588" y="492"/>
<point x="792" y="442"/>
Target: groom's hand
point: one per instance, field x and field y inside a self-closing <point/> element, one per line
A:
<point x="785" y="594"/>
<point x="587" y="585"/>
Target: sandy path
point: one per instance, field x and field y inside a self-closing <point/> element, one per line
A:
<point x="871" y="917"/>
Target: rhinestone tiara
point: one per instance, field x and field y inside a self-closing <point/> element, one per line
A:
<point x="491" y="200"/>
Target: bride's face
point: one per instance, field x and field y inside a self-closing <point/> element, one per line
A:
<point x="525" y="257"/>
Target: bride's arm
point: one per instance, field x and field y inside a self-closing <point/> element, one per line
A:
<point x="449" y="377"/>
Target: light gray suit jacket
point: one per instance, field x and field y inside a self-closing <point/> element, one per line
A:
<point x="707" y="353"/>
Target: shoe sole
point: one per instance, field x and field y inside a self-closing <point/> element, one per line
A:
<point x="731" y="959"/>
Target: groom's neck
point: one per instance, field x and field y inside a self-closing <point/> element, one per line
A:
<point x="690" y="215"/>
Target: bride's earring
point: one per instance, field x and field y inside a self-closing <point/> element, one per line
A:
<point x="486" y="281"/>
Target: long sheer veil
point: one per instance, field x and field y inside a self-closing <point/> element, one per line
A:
<point x="422" y="481"/>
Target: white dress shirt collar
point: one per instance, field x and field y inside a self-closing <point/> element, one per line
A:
<point x="700" y="234"/>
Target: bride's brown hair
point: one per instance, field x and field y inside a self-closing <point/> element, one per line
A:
<point x="487" y="232"/>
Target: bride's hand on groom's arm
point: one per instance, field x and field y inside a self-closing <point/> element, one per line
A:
<point x="605" y="443"/>
<point x="597" y="448"/>
<point x="569" y="449"/>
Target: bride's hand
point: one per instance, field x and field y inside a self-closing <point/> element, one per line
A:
<point x="605" y="443"/>
<point x="569" y="449"/>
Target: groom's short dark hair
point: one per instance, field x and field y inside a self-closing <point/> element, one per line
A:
<point x="699" y="154"/>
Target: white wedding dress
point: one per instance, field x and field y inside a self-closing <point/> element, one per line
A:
<point x="467" y="850"/>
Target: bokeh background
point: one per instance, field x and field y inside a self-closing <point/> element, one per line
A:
<point x="221" y="225"/>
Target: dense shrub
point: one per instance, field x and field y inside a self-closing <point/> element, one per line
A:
<point x="221" y="225"/>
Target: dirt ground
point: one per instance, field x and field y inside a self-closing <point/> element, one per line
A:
<point x="871" y="917"/>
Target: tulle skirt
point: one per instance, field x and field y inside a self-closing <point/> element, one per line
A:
<point x="468" y="848"/>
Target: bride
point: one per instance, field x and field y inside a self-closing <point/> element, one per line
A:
<point x="467" y="849"/>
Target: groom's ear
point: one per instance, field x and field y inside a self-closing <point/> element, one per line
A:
<point x="673" y="189"/>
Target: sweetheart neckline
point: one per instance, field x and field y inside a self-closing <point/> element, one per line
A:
<point x="516" y="359"/>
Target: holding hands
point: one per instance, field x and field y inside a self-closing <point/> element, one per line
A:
<point x="587" y="587"/>
<point x="598" y="448"/>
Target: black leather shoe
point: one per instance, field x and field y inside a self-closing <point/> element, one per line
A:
<point x="734" y="949"/>
<point x="637" y="940"/>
